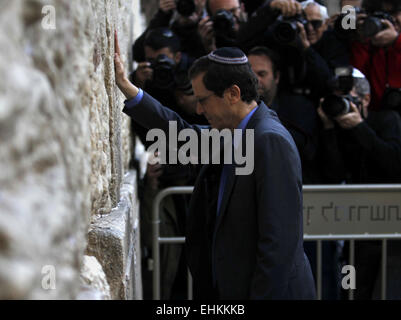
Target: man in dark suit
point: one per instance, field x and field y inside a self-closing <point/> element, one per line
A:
<point x="244" y="236"/>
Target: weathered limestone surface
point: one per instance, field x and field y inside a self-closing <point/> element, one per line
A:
<point x="115" y="237"/>
<point x="93" y="279"/>
<point x="64" y="142"/>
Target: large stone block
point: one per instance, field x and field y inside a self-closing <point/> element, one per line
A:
<point x="93" y="280"/>
<point x="64" y="141"/>
<point x="114" y="240"/>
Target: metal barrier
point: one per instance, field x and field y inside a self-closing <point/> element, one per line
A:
<point x="318" y="226"/>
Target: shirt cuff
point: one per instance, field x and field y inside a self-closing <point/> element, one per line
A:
<point x="134" y="101"/>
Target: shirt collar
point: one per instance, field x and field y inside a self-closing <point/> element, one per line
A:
<point x="245" y="121"/>
<point x="243" y="125"/>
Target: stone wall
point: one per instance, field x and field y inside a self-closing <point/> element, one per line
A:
<point x="65" y="145"/>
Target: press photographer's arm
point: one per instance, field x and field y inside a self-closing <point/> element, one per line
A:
<point x="127" y="88"/>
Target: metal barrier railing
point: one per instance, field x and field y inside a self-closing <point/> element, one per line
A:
<point x="390" y="195"/>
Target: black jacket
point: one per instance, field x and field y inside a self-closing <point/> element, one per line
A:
<point x="368" y="153"/>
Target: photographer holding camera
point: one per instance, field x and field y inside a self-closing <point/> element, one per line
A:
<point x="164" y="73"/>
<point x="359" y="145"/>
<point x="221" y="26"/>
<point x="182" y="17"/>
<point x="378" y="52"/>
<point x="294" y="30"/>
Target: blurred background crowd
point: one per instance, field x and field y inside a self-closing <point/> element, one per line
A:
<point x="335" y="83"/>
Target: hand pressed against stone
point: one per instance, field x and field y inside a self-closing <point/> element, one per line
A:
<point x="127" y="88"/>
<point x="119" y="66"/>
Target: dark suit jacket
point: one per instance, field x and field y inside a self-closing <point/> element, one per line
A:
<point x="254" y="249"/>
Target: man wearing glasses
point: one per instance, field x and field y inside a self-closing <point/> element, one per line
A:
<point x="244" y="233"/>
<point x="316" y="15"/>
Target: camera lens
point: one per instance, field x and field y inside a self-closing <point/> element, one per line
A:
<point x="163" y="72"/>
<point x="334" y="106"/>
<point x="371" y="27"/>
<point x="185" y="7"/>
<point x="286" y="32"/>
<point x="223" y="22"/>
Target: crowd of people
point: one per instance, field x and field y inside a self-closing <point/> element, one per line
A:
<point x="336" y="90"/>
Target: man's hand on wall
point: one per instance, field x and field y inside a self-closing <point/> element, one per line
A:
<point x="127" y="88"/>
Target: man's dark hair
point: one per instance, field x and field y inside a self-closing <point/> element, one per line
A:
<point x="377" y="5"/>
<point x="270" y="54"/>
<point x="159" y="38"/>
<point x="219" y="77"/>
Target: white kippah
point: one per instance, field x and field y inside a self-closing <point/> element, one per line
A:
<point x="228" y="55"/>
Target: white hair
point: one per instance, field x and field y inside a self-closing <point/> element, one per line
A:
<point x="323" y="9"/>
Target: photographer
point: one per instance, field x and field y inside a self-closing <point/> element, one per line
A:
<point x="182" y="17"/>
<point x="164" y="73"/>
<point x="318" y="61"/>
<point x="294" y="32"/>
<point x="360" y="146"/>
<point x="378" y="53"/>
<point x="221" y="26"/>
<point x="255" y="31"/>
<point x="363" y="146"/>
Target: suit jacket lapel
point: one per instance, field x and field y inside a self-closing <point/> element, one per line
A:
<point x="231" y="176"/>
<point x="259" y="114"/>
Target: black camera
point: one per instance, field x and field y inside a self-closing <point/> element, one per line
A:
<point x="185" y="7"/>
<point x="285" y="30"/>
<point x="392" y="99"/>
<point x="339" y="103"/>
<point x="163" y="72"/>
<point x="373" y="23"/>
<point x="335" y="105"/>
<point x="224" y="27"/>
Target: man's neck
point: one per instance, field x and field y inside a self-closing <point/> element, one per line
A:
<point x="244" y="110"/>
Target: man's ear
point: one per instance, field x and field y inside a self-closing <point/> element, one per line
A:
<point x="366" y="100"/>
<point x="233" y="94"/>
<point x="277" y="77"/>
<point x="177" y="57"/>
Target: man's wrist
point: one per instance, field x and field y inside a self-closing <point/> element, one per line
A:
<point x="128" y="89"/>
